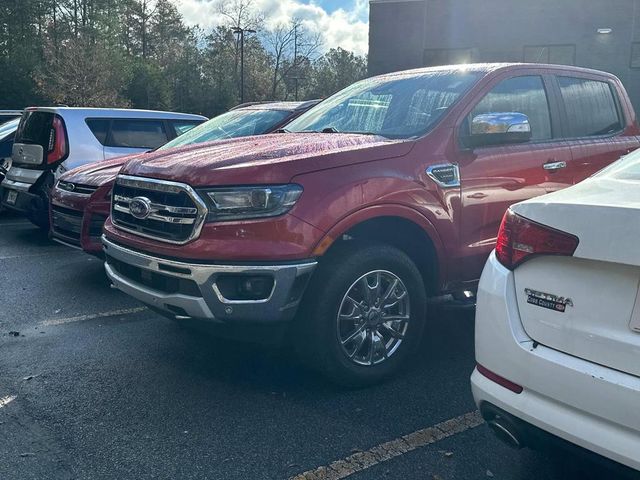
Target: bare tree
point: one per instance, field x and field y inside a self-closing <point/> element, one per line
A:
<point x="291" y="44"/>
<point x="241" y="14"/>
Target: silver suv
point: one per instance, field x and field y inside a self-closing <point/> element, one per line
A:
<point x="50" y="141"/>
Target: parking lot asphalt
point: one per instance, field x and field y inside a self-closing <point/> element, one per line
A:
<point x="94" y="386"/>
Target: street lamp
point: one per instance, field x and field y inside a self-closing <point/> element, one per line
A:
<point x="242" y="31"/>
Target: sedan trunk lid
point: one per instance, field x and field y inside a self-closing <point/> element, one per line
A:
<point x="599" y="283"/>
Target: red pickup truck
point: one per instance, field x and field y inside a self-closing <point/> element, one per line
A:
<point x="384" y="195"/>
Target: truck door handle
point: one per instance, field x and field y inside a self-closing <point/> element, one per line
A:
<point x="554" y="165"/>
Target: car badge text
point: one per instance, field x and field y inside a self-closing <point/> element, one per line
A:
<point x="547" y="300"/>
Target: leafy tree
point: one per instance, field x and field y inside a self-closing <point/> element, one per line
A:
<point x="335" y="70"/>
<point x="81" y="75"/>
<point x="141" y="53"/>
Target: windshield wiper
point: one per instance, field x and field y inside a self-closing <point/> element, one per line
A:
<point x="330" y="130"/>
<point x="282" y="130"/>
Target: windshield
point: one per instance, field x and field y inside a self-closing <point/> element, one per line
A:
<point x="394" y="107"/>
<point x="8" y="128"/>
<point x="236" y="123"/>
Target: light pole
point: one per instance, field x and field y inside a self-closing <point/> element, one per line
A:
<point x="242" y="31"/>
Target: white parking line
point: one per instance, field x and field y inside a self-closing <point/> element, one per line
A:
<point x="386" y="451"/>
<point x="29" y="255"/>
<point x="82" y="318"/>
<point x="4" y="401"/>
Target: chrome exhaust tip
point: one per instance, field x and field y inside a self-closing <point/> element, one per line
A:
<point x="506" y="432"/>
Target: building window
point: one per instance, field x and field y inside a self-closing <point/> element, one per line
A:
<point x="434" y="57"/>
<point x="557" y="54"/>
<point x="635" y="55"/>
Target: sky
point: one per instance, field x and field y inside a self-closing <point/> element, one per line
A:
<point x="341" y="23"/>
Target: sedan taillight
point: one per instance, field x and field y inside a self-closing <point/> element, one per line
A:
<point x="519" y="239"/>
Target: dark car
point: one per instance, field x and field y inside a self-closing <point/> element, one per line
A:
<point x="7" y="115"/>
<point x="7" y="135"/>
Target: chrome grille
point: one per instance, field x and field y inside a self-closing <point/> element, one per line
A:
<point x="77" y="188"/>
<point x="172" y="212"/>
<point x="66" y="224"/>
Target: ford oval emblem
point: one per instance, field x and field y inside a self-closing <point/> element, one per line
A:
<point x="140" y="207"/>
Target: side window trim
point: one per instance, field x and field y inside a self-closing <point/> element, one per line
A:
<point x="558" y="112"/>
<point x="108" y="121"/>
<point x="563" y="108"/>
<point x="169" y="129"/>
<point x="465" y="116"/>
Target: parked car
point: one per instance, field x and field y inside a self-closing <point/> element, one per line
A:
<point x="81" y="199"/>
<point x="8" y="115"/>
<point x="558" y="321"/>
<point x="7" y="135"/>
<point x="52" y="140"/>
<point x="388" y="192"/>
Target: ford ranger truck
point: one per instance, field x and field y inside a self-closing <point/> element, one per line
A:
<point x="342" y="227"/>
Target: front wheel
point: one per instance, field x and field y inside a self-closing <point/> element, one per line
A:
<point x="364" y="314"/>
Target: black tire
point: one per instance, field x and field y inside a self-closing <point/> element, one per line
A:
<point x="317" y="339"/>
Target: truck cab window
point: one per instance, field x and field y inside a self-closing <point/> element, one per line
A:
<point x="523" y="95"/>
<point x="591" y="107"/>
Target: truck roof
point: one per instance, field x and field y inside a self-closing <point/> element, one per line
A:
<point x="493" y="67"/>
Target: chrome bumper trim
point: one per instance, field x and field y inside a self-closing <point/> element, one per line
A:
<point x="211" y="304"/>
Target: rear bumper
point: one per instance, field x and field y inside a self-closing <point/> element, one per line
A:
<point x="190" y="290"/>
<point x="22" y="200"/>
<point x="586" y="404"/>
<point x="25" y="199"/>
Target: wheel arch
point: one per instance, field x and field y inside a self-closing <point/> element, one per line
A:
<point x="396" y="225"/>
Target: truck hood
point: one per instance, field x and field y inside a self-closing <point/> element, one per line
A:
<point x="98" y="173"/>
<point x="275" y="158"/>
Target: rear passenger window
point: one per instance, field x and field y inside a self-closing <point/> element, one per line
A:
<point x="591" y="107"/>
<point x="99" y="127"/>
<point x="522" y="95"/>
<point x="137" y="134"/>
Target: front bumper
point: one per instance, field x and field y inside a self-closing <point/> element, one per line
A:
<point x="78" y="220"/>
<point x="190" y="290"/>
<point x="586" y="404"/>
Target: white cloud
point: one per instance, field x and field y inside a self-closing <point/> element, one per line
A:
<point x="346" y="28"/>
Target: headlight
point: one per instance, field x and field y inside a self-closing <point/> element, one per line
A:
<point x="66" y="186"/>
<point x="239" y="203"/>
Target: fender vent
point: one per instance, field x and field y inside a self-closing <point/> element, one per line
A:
<point x="447" y="175"/>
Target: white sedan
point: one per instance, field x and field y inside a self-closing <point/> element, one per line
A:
<point x="558" y="318"/>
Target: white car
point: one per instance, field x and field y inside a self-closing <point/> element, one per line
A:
<point x="558" y="318"/>
<point x="52" y="140"/>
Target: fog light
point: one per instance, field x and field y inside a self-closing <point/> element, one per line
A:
<point x="245" y="287"/>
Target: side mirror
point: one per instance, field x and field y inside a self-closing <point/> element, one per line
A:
<point x="498" y="129"/>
